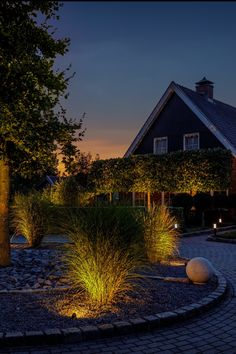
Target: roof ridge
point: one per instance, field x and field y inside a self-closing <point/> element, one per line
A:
<point x="226" y="104"/>
<point x="214" y="99"/>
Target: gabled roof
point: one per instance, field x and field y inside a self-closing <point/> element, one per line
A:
<point x="52" y="179"/>
<point x="47" y="180"/>
<point x="218" y="117"/>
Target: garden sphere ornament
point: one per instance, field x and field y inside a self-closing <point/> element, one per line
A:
<point x="199" y="270"/>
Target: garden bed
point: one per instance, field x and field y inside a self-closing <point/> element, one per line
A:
<point x="227" y="237"/>
<point x="63" y="309"/>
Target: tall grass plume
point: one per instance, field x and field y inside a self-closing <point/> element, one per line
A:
<point x="98" y="263"/>
<point x="31" y="216"/>
<point x="160" y="236"/>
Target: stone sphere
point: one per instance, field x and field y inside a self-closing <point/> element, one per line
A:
<point x="199" y="270"/>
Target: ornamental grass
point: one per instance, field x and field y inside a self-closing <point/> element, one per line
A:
<point x="98" y="263"/>
<point x="160" y="236"/>
<point x="31" y="217"/>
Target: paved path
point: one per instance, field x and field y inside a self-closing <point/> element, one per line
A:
<point x="212" y="332"/>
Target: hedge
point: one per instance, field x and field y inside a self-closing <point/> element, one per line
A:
<point x="181" y="171"/>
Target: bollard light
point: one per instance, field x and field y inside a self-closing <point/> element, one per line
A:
<point x="214" y="227"/>
<point x="220" y="220"/>
<point x="176" y="226"/>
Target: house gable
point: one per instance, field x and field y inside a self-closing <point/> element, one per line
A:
<point x="223" y="136"/>
<point x="173" y="121"/>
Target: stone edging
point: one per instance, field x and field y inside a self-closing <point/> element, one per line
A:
<point x="221" y="239"/>
<point x="83" y="333"/>
<point x="208" y="231"/>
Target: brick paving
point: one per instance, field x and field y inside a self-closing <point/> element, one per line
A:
<point x="212" y="332"/>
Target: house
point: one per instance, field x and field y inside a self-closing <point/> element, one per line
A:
<point x="185" y="119"/>
<point x="47" y="181"/>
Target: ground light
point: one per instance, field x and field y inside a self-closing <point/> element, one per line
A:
<point x="214" y="227"/>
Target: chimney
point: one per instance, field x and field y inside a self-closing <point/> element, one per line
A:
<point x="205" y="88"/>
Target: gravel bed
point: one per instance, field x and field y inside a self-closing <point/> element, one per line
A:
<point x="33" y="269"/>
<point x="37" y="311"/>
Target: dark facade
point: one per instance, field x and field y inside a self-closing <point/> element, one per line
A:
<point x="175" y="120"/>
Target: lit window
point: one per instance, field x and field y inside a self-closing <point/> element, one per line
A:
<point x="160" y="145"/>
<point x="191" y="141"/>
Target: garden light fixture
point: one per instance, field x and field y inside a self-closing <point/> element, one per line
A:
<point x="214" y="227"/>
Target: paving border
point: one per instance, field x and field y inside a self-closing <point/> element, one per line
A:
<point x="208" y="231"/>
<point x="133" y="325"/>
<point x="221" y="239"/>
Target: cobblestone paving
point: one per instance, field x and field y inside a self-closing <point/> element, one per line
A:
<point x="212" y="332"/>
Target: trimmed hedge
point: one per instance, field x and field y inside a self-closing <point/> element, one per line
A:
<point x="181" y="171"/>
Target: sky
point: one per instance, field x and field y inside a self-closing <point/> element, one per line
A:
<point x="125" y="54"/>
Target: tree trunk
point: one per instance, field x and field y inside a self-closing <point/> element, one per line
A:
<point x="148" y="200"/>
<point x="133" y="199"/>
<point x="4" y="213"/>
<point x="162" y="198"/>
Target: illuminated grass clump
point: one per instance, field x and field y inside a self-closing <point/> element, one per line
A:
<point x="160" y="236"/>
<point x="31" y="216"/>
<point x="100" y="269"/>
<point x="98" y="263"/>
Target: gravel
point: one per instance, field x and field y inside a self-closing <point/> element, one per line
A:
<point x="57" y="309"/>
<point x="33" y="269"/>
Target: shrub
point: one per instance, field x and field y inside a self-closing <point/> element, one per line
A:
<point x="178" y="214"/>
<point x="202" y="201"/>
<point x="184" y="171"/>
<point x="98" y="263"/>
<point x="185" y="201"/>
<point x="220" y="201"/>
<point x="103" y="220"/>
<point x="160" y="236"/>
<point x="31" y="216"/>
<point x="232" y="200"/>
<point x="65" y="192"/>
<point x="68" y="192"/>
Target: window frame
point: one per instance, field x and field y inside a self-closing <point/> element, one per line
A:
<point x="189" y="135"/>
<point x="159" y="139"/>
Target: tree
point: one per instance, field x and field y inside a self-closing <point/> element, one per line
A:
<point x="33" y="124"/>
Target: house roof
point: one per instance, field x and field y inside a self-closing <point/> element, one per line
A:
<point x="220" y="118"/>
<point x="47" y="180"/>
<point x="52" y="179"/>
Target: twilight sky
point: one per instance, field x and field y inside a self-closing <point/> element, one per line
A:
<point x="125" y="54"/>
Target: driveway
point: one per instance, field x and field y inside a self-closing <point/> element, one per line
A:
<point x="212" y="332"/>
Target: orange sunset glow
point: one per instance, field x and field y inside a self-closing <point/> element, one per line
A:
<point x="105" y="148"/>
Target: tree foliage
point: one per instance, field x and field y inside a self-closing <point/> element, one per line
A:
<point x="31" y="128"/>
<point x="181" y="171"/>
<point x="33" y="124"/>
<point x="112" y="175"/>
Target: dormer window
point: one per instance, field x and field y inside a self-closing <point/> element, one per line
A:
<point x="191" y="141"/>
<point x="160" y="145"/>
